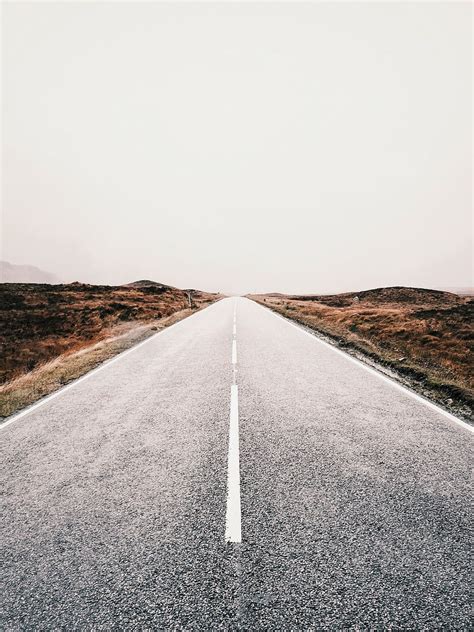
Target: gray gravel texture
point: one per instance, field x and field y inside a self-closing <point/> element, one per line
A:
<point x="355" y="497"/>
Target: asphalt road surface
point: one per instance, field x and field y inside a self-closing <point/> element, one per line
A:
<point x="234" y="473"/>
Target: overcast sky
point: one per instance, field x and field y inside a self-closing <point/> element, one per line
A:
<point x="312" y="147"/>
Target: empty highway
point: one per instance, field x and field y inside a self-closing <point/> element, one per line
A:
<point x="233" y="472"/>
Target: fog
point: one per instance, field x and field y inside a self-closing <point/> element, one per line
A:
<point x="239" y="147"/>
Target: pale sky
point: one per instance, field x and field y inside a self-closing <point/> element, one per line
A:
<point x="313" y="147"/>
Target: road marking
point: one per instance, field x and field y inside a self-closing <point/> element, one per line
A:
<point x="234" y="351"/>
<point x="233" y="532"/>
<point x="106" y="364"/>
<point x="234" y="330"/>
<point x="380" y="375"/>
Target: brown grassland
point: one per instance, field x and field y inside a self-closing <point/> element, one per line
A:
<point x="53" y="334"/>
<point x="422" y="337"/>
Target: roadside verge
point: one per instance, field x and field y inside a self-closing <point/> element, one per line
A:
<point x="47" y="379"/>
<point x="433" y="393"/>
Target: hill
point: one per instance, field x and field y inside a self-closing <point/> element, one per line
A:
<point x="146" y="283"/>
<point x="385" y="295"/>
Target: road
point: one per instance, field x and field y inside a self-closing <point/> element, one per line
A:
<point x="234" y="473"/>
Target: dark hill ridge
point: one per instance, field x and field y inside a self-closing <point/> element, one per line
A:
<point x="148" y="283"/>
<point x="383" y="295"/>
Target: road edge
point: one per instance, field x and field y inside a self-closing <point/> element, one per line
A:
<point x="383" y="376"/>
<point x="44" y="400"/>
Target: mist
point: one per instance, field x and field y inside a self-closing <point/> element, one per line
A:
<point x="313" y="147"/>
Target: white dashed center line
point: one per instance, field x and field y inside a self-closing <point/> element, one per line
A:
<point x="233" y="517"/>
<point x="232" y="520"/>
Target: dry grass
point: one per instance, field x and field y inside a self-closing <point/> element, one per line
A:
<point x="53" y="334"/>
<point x="424" y="336"/>
<point x="47" y="378"/>
<point x="41" y="322"/>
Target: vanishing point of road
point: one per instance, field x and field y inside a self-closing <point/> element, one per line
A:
<point x="234" y="472"/>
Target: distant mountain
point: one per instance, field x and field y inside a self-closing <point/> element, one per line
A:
<point x="11" y="273"/>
